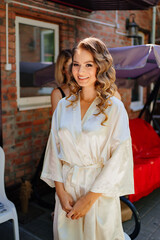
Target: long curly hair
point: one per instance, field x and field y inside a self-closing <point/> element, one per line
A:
<point x="105" y="75"/>
<point x="62" y="59"/>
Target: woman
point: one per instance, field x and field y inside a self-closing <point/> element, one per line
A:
<point x="62" y="77"/>
<point x="89" y="154"/>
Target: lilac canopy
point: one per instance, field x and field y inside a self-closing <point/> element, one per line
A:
<point x="141" y="62"/>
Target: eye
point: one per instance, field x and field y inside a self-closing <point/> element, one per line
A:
<point x="89" y="65"/>
<point x="75" y="64"/>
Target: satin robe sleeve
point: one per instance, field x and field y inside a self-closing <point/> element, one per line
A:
<point x="116" y="177"/>
<point x="52" y="167"/>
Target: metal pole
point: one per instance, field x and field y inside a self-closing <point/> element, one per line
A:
<point x="8" y="67"/>
<point x="153" y="26"/>
<point x="153" y="42"/>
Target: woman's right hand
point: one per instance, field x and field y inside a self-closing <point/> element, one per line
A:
<point x="66" y="201"/>
<point x="65" y="198"/>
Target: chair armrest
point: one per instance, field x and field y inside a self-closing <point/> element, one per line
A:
<point x="136" y="230"/>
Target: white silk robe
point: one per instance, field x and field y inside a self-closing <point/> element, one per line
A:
<point x="87" y="156"/>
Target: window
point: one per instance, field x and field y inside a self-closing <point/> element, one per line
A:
<point x="47" y="50"/>
<point x="37" y="46"/>
<point x="137" y="91"/>
<point x="136" y="97"/>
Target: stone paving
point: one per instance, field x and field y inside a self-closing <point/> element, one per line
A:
<point x="40" y="228"/>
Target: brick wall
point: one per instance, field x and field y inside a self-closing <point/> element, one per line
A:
<point x="25" y="132"/>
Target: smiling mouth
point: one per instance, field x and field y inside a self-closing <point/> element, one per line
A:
<point x="82" y="78"/>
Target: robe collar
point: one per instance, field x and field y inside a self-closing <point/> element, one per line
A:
<point x="78" y="123"/>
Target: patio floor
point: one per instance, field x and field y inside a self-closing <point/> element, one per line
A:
<point x="40" y="227"/>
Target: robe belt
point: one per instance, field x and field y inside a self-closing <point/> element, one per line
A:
<point x="75" y="170"/>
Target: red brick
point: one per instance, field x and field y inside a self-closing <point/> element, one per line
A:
<point x="28" y="130"/>
<point x="17" y="161"/>
<point x="10" y="183"/>
<point x="18" y="118"/>
<point x="7" y="141"/>
<point x="3" y="14"/>
<point x="3" y="44"/>
<point x="19" y="144"/>
<point x="38" y="142"/>
<point x="39" y="122"/>
<point x="2" y="29"/>
<point x="19" y="174"/>
<point x="24" y="124"/>
<point x="14" y="105"/>
<point x="27" y="159"/>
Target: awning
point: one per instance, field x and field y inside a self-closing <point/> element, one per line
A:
<point x="97" y="5"/>
<point x="141" y="62"/>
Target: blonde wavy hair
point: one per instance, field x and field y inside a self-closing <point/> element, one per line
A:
<point x="105" y="75"/>
<point x="62" y="59"/>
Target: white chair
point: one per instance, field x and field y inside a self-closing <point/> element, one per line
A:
<point x="126" y="236"/>
<point x="7" y="208"/>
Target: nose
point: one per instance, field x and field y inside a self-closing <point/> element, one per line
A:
<point x="81" y="70"/>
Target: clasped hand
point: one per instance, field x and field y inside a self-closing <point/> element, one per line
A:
<point x="81" y="207"/>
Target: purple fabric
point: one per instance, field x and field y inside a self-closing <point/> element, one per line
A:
<point x="141" y="62"/>
<point x="39" y="74"/>
<point x="45" y="75"/>
<point x="137" y="61"/>
<point x="31" y="67"/>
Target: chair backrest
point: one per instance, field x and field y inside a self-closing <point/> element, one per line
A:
<point x="2" y="165"/>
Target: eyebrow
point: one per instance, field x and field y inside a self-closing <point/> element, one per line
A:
<point x="84" y="62"/>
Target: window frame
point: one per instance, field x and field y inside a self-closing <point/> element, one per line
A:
<point x="138" y="105"/>
<point x="27" y="103"/>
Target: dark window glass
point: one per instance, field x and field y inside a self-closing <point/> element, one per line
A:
<point x="36" y="54"/>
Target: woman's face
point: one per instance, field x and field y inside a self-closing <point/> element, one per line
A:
<point x="66" y="68"/>
<point x="84" y="68"/>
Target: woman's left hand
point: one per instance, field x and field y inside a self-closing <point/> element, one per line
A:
<point x="83" y="205"/>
